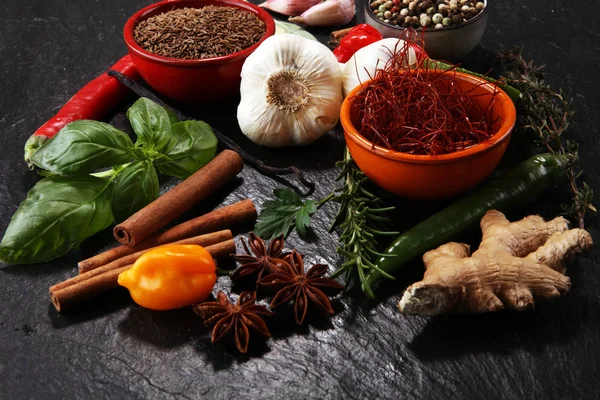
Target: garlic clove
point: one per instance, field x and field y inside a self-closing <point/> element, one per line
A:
<point x="289" y="7"/>
<point x="328" y="13"/>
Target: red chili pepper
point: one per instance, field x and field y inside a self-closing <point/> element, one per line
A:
<point x="93" y="101"/>
<point x="357" y="38"/>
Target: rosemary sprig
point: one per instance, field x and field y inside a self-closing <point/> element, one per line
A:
<point x="546" y="113"/>
<point x="361" y="217"/>
<point x="362" y="220"/>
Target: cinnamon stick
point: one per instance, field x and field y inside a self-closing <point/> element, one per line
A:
<point x="221" y="218"/>
<point x="178" y="200"/>
<point x="202" y="240"/>
<point x="83" y="287"/>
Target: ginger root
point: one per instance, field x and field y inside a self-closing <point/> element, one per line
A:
<point x="516" y="263"/>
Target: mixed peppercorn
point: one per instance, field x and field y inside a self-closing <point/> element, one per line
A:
<point x="427" y="13"/>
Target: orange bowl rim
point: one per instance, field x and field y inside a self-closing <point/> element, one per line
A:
<point x="167" y="5"/>
<point x="502" y="134"/>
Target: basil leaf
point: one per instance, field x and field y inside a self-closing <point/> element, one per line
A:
<point x="150" y="122"/>
<point x="82" y="147"/>
<point x="172" y="117"/>
<point x="192" y="145"/>
<point x="57" y="215"/>
<point x="135" y="187"/>
<point x="280" y="216"/>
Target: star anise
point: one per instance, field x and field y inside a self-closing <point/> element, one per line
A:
<point x="227" y="317"/>
<point x="264" y="259"/>
<point x="291" y="283"/>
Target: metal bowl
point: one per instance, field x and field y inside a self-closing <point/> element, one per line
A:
<point x="450" y="44"/>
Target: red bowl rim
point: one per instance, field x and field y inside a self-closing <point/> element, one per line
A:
<point x="176" y="62"/>
<point x="504" y="130"/>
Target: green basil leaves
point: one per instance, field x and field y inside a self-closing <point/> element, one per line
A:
<point x="150" y="122"/>
<point x="192" y="144"/>
<point x="57" y="215"/>
<point x="97" y="174"/>
<point x="83" y="147"/>
<point x="135" y="187"/>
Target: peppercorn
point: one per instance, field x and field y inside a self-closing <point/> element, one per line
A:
<point x="446" y="12"/>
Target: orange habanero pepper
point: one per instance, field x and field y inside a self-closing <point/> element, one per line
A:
<point x="171" y="276"/>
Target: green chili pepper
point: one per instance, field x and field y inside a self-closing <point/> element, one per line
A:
<point x="527" y="182"/>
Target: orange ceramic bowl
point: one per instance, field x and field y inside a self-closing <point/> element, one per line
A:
<point x="200" y="81"/>
<point x="427" y="177"/>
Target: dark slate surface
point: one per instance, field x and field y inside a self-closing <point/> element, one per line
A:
<point x="114" y="349"/>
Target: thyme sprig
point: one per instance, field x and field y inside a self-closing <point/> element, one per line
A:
<point x="362" y="219"/>
<point x="546" y="113"/>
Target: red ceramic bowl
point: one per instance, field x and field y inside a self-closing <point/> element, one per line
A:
<point x="192" y="81"/>
<point x="433" y="177"/>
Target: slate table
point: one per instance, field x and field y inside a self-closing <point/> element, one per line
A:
<point x="114" y="349"/>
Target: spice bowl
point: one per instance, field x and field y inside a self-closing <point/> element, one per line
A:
<point x="196" y="81"/>
<point x="449" y="43"/>
<point x="428" y="177"/>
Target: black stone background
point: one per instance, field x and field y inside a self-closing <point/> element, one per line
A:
<point x="115" y="349"/>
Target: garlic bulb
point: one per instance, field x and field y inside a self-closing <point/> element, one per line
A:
<point x="291" y="92"/>
<point x="362" y="65"/>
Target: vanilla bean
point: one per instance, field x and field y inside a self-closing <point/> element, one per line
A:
<point x="260" y="166"/>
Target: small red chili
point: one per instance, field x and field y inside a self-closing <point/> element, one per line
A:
<point x="93" y="101"/>
<point x="357" y="38"/>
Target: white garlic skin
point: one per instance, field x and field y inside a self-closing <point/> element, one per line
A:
<point x="267" y="124"/>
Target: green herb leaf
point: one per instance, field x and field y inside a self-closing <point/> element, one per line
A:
<point x="280" y="216"/>
<point x="57" y="215"/>
<point x="288" y="27"/>
<point x="191" y="145"/>
<point x="135" y="187"/>
<point x="150" y="122"/>
<point x="83" y="147"/>
<point x="172" y="117"/>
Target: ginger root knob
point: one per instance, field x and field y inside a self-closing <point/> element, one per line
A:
<point x="515" y="264"/>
